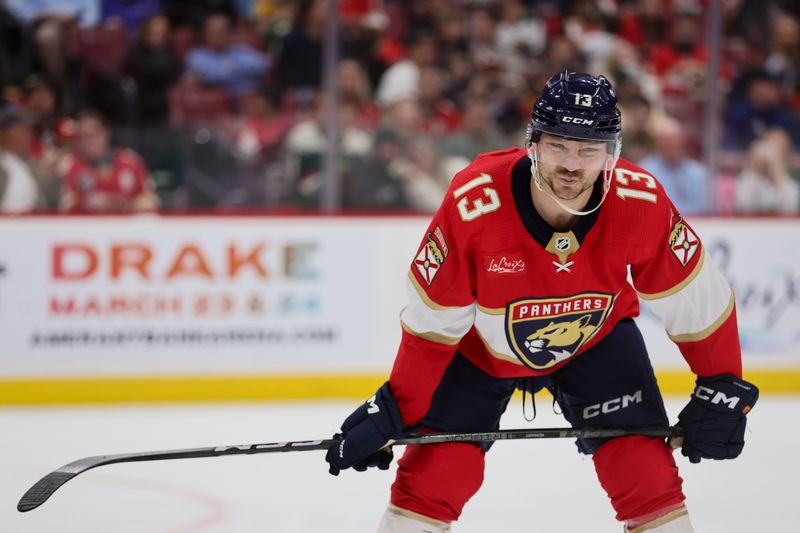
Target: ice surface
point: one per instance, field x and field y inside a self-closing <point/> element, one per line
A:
<point x="530" y="486"/>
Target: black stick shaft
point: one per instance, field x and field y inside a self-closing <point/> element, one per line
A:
<point x="45" y="487"/>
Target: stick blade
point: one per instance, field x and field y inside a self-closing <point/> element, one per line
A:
<point x="43" y="489"/>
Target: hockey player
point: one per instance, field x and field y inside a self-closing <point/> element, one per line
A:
<point x="522" y="281"/>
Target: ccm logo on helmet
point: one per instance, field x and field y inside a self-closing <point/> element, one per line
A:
<point x="577" y="120"/>
<point x="612" y="405"/>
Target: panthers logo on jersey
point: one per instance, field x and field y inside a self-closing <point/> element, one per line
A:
<point x="544" y="332"/>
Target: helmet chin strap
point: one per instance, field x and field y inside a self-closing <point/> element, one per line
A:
<point x="537" y="180"/>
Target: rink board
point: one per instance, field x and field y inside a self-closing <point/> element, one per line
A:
<point x="162" y="308"/>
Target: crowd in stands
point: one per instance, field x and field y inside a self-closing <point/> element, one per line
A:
<point x="137" y="105"/>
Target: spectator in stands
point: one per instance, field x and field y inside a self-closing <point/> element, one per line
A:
<point x="637" y="141"/>
<point x="354" y="89"/>
<point x="195" y="12"/>
<point x="477" y="134"/>
<point x="519" y="35"/>
<point x="39" y="104"/>
<point x="16" y="49"/>
<point x="560" y="53"/>
<point x="458" y="75"/>
<point x="152" y="63"/>
<point x="440" y="116"/>
<point x="451" y="32"/>
<point x="237" y="67"/>
<point x="401" y="80"/>
<point x="643" y="23"/>
<point x="588" y="25"/>
<point x="51" y="134"/>
<point x="20" y="190"/>
<point x="684" y="179"/>
<point x="631" y="77"/>
<point x="306" y="145"/>
<point x="99" y="178"/>
<point x="261" y="125"/>
<point x="759" y="109"/>
<point x="300" y="60"/>
<point x="84" y="12"/>
<point x="482" y="36"/>
<point x="397" y="174"/>
<point x="680" y="61"/>
<point x="784" y="58"/>
<point x="50" y="20"/>
<point x="132" y="14"/>
<point x="765" y="184"/>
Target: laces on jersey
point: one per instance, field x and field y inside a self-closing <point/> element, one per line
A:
<point x="524" y="403"/>
<point x="556" y="406"/>
<point x="529" y="388"/>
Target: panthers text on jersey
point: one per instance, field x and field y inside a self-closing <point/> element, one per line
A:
<point x="494" y="281"/>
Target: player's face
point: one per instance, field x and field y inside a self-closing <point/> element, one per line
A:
<point x="569" y="167"/>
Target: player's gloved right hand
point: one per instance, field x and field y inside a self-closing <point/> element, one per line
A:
<point x="365" y="433"/>
<point x="714" y="420"/>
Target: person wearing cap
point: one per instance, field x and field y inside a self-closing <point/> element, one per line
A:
<point x="522" y="281"/>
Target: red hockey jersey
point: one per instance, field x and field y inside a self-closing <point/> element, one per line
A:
<point x="494" y="281"/>
<point x="124" y="176"/>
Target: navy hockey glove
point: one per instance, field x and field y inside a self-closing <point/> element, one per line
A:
<point x="365" y="433"/>
<point x="714" y="420"/>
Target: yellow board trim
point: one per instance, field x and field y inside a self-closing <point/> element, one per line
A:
<point x="233" y="388"/>
<point x="114" y="389"/>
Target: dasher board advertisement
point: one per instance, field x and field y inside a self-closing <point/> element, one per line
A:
<point x="117" y="295"/>
<point x="203" y="295"/>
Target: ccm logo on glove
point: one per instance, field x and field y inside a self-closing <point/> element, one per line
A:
<point x="718" y="397"/>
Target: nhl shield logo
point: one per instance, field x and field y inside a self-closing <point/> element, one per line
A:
<point x="562" y="244"/>
<point x="544" y="332"/>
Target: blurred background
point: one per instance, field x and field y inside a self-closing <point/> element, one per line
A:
<point x="219" y="199"/>
<point x="373" y="104"/>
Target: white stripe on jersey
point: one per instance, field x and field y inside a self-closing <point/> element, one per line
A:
<point x="491" y="327"/>
<point x="695" y="311"/>
<point x="425" y="318"/>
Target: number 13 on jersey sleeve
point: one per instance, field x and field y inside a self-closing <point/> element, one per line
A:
<point x="470" y="210"/>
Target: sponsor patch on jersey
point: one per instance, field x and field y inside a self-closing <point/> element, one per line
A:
<point x="545" y="331"/>
<point x="683" y="242"/>
<point x="505" y="264"/>
<point x="432" y="255"/>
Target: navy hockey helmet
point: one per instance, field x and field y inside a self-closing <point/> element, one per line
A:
<point x="577" y="106"/>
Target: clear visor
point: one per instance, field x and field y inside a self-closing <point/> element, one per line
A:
<point x="573" y="155"/>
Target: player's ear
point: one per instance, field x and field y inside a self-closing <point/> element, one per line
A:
<point x="531" y="149"/>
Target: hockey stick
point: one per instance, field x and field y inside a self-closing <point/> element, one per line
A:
<point x="45" y="487"/>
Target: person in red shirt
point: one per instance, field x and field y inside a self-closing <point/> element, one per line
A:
<point x="521" y="281"/>
<point x="100" y="178"/>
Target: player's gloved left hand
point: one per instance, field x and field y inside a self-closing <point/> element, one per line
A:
<point x="714" y="420"/>
<point x="365" y="433"/>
